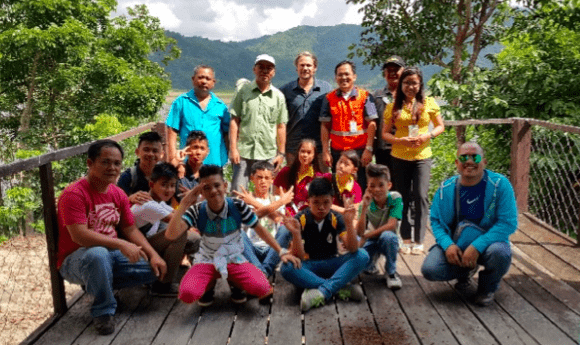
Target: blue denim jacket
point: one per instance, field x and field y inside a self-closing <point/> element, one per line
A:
<point x="500" y="219"/>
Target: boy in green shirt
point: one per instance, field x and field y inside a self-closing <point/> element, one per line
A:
<point x="380" y="212"/>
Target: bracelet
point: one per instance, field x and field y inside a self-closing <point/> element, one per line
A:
<point x="369" y="148"/>
<point x="283" y="252"/>
<point x="431" y="135"/>
<point x="280" y="153"/>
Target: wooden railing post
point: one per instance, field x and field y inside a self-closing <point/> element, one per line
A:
<point x="162" y="130"/>
<point x="51" y="230"/>
<point x="520" y="161"/>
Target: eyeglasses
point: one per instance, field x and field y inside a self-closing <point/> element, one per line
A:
<point x="476" y="158"/>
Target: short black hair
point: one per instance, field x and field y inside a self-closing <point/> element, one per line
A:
<point x="352" y="156"/>
<point x="195" y="136"/>
<point x="95" y="149"/>
<point x="378" y="170"/>
<point x="163" y="170"/>
<point x="152" y="137"/>
<point x="207" y="170"/>
<point x="262" y="165"/>
<point x="320" y="186"/>
<point x="345" y="62"/>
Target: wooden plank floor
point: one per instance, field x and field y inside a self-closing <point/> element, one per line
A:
<point x="538" y="303"/>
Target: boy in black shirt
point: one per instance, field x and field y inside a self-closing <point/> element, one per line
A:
<point x="314" y="240"/>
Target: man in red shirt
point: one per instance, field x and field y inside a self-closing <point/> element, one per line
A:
<point x="92" y="212"/>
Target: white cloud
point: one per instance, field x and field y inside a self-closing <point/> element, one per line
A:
<point x="238" y="20"/>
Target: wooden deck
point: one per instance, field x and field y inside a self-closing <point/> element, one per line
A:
<point x="538" y="303"/>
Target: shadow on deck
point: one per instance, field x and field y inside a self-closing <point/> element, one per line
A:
<point x="538" y="303"/>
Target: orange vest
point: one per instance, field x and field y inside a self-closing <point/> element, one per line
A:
<point x="343" y="112"/>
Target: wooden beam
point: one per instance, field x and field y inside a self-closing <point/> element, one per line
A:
<point x="51" y="231"/>
<point x="520" y="162"/>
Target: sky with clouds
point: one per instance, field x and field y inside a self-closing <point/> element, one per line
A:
<point x="238" y="20"/>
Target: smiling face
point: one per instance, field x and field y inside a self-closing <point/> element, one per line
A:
<point x="471" y="172"/>
<point x="106" y="167"/>
<point x="149" y="153"/>
<point x="411" y="86"/>
<point x="345" y="78"/>
<point x="163" y="189"/>
<point x="378" y="187"/>
<point x="203" y="81"/>
<point x="305" y="67"/>
<point x="392" y="74"/>
<point x="264" y="72"/>
<point x="213" y="189"/>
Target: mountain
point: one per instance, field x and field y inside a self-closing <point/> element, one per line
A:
<point x="234" y="60"/>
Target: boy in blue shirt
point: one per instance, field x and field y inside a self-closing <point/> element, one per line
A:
<point x="380" y="212"/>
<point x="314" y="241"/>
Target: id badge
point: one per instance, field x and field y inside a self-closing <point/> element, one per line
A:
<point x="353" y="126"/>
<point x="413" y="131"/>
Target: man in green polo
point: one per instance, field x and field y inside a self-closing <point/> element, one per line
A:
<point x="258" y="123"/>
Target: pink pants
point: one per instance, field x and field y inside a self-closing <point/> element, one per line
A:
<point x="244" y="276"/>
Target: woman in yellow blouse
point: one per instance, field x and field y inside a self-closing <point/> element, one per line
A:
<point x="410" y="114"/>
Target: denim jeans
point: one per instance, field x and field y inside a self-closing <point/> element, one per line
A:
<point x="496" y="259"/>
<point x="388" y="245"/>
<point x="101" y="270"/>
<point x="328" y="275"/>
<point x="266" y="258"/>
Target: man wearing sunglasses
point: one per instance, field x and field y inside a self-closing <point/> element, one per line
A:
<point x="472" y="216"/>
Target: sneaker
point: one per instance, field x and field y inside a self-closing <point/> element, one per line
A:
<point x="266" y="299"/>
<point x="160" y="289"/>
<point x="351" y="292"/>
<point x="207" y="299"/>
<point x="394" y="281"/>
<point x="463" y="283"/>
<point x="405" y="248"/>
<point x="311" y="298"/>
<point x="238" y="296"/>
<point x="485" y="299"/>
<point x="417" y="249"/>
<point x="105" y="324"/>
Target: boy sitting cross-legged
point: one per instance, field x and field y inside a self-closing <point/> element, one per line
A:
<point x="152" y="217"/>
<point x="269" y="209"/>
<point x="219" y="220"/>
<point x="380" y="212"/>
<point x="314" y="240"/>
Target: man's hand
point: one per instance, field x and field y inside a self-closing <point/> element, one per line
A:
<point x="182" y="191"/>
<point x="235" y="156"/>
<point x="277" y="162"/>
<point x="453" y="255"/>
<point x="140" y="198"/>
<point x="291" y="258"/>
<point x="366" y="158"/>
<point x="470" y="257"/>
<point x="191" y="197"/>
<point x="327" y="158"/>
<point x="132" y="252"/>
<point x="158" y="266"/>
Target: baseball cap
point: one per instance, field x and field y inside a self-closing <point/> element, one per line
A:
<point x="265" y="57"/>
<point x="397" y="60"/>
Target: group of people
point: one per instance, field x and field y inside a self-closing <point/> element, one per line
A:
<point x="326" y="216"/>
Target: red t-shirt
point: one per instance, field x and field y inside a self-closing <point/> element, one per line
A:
<point x="104" y="213"/>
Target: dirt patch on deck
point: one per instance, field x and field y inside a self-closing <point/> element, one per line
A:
<point x="25" y="300"/>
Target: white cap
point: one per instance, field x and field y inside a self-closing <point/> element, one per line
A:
<point x="265" y="57"/>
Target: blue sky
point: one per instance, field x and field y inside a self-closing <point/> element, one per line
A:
<point x="238" y="20"/>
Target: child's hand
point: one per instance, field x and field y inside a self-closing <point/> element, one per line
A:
<point x="191" y="197"/>
<point x="287" y="197"/>
<point x="291" y="258"/>
<point x="349" y="210"/>
<point x="367" y="198"/>
<point x="245" y="196"/>
<point x="292" y="224"/>
<point x="182" y="191"/>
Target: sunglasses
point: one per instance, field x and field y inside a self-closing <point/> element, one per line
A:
<point x="475" y="157"/>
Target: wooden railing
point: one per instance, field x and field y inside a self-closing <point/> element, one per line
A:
<point x="519" y="171"/>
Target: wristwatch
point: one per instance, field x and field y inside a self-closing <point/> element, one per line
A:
<point x="280" y="153"/>
<point x="283" y="251"/>
<point x="369" y="148"/>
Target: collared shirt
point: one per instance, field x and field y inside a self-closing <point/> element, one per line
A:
<point x="369" y="112"/>
<point x="186" y="115"/>
<point x="259" y="114"/>
<point x="377" y="216"/>
<point x="303" y="112"/>
<point x="382" y="98"/>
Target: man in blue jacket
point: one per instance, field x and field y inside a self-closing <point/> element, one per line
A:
<point x="472" y="216"/>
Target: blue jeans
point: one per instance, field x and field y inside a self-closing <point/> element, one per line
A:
<point x="328" y="275"/>
<point x="101" y="270"/>
<point x="388" y="245"/>
<point x="266" y="258"/>
<point x="496" y="259"/>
